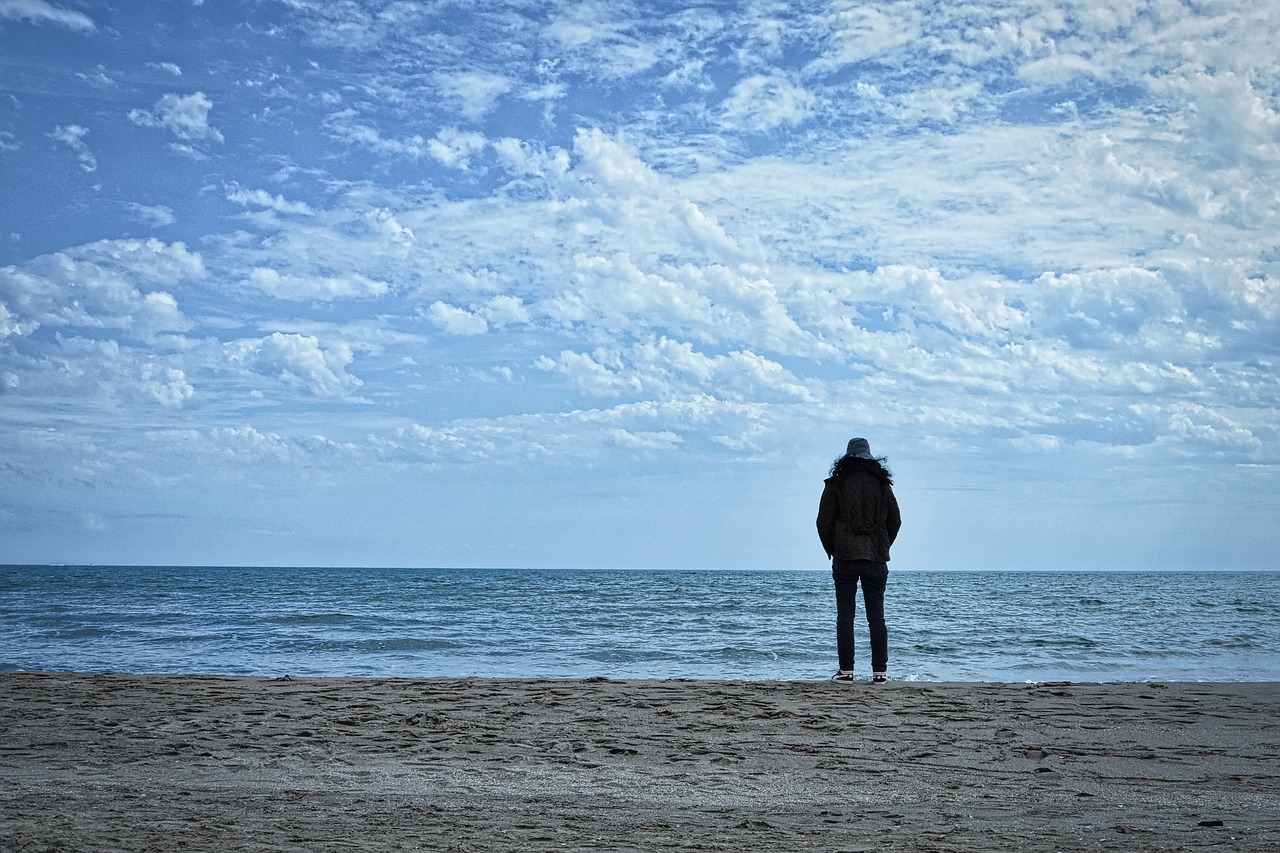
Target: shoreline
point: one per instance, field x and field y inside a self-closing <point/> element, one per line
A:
<point x="860" y="679"/>
<point x="160" y="762"/>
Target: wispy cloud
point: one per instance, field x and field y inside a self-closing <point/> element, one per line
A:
<point x="263" y="199"/>
<point x="156" y="215"/>
<point x="73" y="136"/>
<point x="42" y="12"/>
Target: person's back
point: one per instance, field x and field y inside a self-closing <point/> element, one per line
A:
<point x="858" y="521"/>
<point x="861" y="520"/>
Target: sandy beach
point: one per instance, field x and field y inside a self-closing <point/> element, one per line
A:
<point x="139" y="763"/>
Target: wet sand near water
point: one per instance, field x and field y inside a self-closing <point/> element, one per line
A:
<point x="163" y="763"/>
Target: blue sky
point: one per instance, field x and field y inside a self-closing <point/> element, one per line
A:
<point x="610" y="284"/>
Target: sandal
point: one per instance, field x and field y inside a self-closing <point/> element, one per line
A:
<point x="843" y="677"/>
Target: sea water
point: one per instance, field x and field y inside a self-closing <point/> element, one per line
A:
<point x="659" y="624"/>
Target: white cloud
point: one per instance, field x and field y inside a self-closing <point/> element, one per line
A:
<point x="591" y="374"/>
<point x="762" y="103"/>
<point x="665" y="369"/>
<point x="609" y="160"/>
<point x="299" y="361"/>
<point x="457" y="321"/>
<point x="1208" y="429"/>
<point x="41" y="12"/>
<point x="98" y="371"/>
<point x="571" y="438"/>
<point x="614" y="295"/>
<point x="1164" y="185"/>
<point x="167" y="386"/>
<point x="250" y="443"/>
<point x="475" y="93"/>
<point x="598" y="38"/>
<point x="264" y="199"/>
<point x="525" y="158"/>
<point x="73" y="135"/>
<point x="98" y="78"/>
<point x="9" y="322"/>
<point x="158" y="215"/>
<point x="1058" y="69"/>
<point x="663" y="440"/>
<point x="949" y="104"/>
<point x="1110" y="308"/>
<point x="1262" y="293"/>
<point x="343" y="126"/>
<point x="185" y="116"/>
<point x="711" y="303"/>
<point x="454" y="148"/>
<point x="189" y="152"/>
<point x="858" y="32"/>
<point x="1230" y="122"/>
<point x="322" y="288"/>
<point x="395" y="237"/>
<point x="505" y="310"/>
<point x="97" y="286"/>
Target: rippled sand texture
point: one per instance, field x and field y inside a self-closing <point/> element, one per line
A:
<point x="166" y="763"/>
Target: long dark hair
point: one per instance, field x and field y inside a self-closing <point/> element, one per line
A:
<point x="846" y="465"/>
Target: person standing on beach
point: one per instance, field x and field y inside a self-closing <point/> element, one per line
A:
<point x="858" y="519"/>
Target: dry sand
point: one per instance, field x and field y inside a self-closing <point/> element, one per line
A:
<point x="113" y="762"/>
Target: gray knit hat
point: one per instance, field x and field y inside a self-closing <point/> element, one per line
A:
<point x="859" y="447"/>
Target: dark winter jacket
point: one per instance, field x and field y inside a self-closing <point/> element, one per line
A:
<point x="858" y="516"/>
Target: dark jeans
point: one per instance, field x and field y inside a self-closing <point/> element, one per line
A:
<point x="874" y="576"/>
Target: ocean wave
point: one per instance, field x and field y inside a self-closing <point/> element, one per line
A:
<point x="1092" y="626"/>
